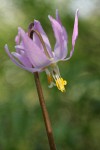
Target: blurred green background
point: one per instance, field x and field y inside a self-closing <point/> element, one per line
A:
<point x="75" y="115"/>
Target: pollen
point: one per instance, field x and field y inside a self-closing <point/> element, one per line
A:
<point x="60" y="83"/>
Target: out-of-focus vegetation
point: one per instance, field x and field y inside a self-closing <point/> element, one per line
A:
<point x="75" y="115"/>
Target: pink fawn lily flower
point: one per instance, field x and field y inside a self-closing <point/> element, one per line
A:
<point x="35" y="54"/>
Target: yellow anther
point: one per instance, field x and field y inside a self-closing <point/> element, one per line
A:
<point x="60" y="83"/>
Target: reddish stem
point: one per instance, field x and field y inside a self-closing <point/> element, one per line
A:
<point x="45" y="113"/>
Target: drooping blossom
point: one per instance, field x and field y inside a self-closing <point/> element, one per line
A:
<point x="34" y="53"/>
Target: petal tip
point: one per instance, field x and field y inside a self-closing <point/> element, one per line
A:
<point x="56" y="12"/>
<point x="50" y="17"/>
<point x="36" y="21"/>
<point x="6" y="47"/>
<point x="77" y="11"/>
<point x="19" y="28"/>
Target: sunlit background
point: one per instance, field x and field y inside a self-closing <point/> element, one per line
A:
<point x="75" y="115"/>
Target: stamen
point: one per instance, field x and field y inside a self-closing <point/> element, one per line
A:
<point x="53" y="74"/>
<point x="60" y="83"/>
<point x="50" y="79"/>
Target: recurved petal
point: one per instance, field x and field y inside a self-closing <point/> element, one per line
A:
<point x="75" y="30"/>
<point x="17" y="38"/>
<point x="60" y="50"/>
<point x="64" y="30"/>
<point x="75" y="34"/>
<point x="58" y="17"/>
<point x="18" y="64"/>
<point x="38" y="27"/>
<point x="23" y="59"/>
<point x="33" y="52"/>
<point x="19" y="48"/>
<point x="34" y="35"/>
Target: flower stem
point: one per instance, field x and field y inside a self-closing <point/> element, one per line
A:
<point x="45" y="113"/>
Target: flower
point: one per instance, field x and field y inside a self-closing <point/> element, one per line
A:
<point x="34" y="53"/>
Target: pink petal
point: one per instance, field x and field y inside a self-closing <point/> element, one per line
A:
<point x="58" y="17"/>
<point x="22" y="58"/>
<point x="18" y="64"/>
<point x="64" y="30"/>
<point x="33" y="52"/>
<point x="35" y="36"/>
<point x="17" y="38"/>
<point x="75" y="34"/>
<point x="60" y="50"/>
<point x="38" y="27"/>
<point x="19" y="48"/>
